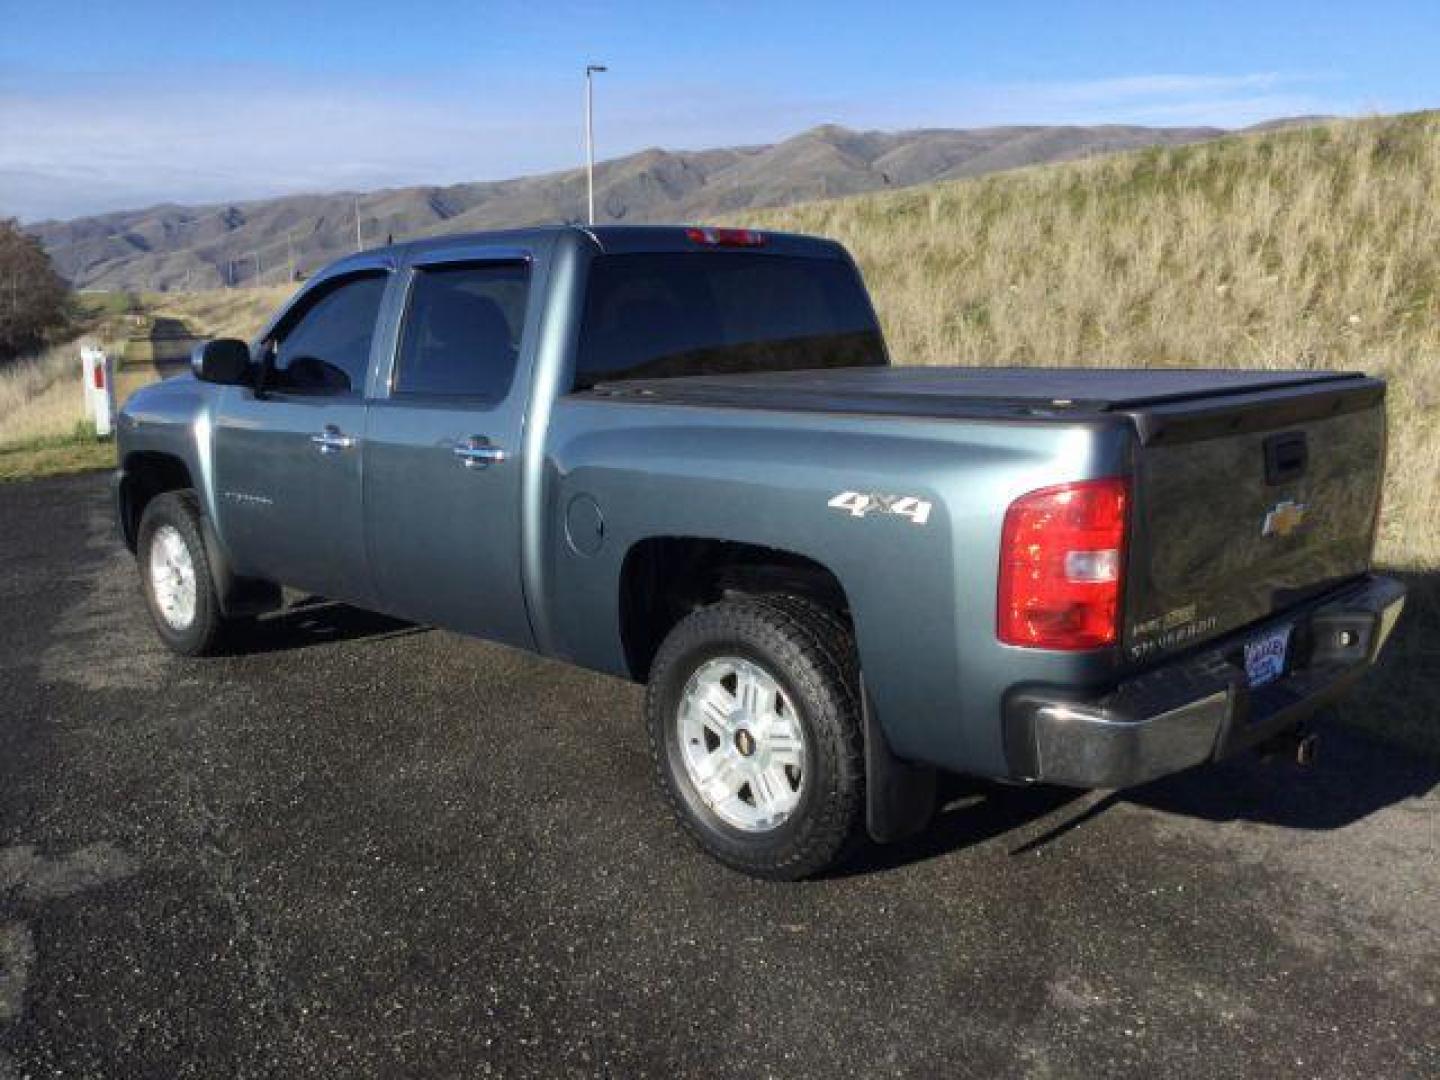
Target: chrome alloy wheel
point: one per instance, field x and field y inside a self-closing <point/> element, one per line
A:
<point x="742" y="743"/>
<point x="172" y="577"/>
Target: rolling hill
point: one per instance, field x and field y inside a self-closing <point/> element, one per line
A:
<point x="193" y="247"/>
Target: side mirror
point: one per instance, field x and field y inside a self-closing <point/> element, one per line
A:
<point x="223" y="360"/>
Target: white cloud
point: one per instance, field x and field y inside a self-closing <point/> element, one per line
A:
<point x="108" y="144"/>
<point x="1158" y="99"/>
<point x="1151" y="87"/>
<point x="104" y="143"/>
<point x="202" y="146"/>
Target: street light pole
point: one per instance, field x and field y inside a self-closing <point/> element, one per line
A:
<point x="590" y="71"/>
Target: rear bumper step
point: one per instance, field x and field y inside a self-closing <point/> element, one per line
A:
<point x="1199" y="708"/>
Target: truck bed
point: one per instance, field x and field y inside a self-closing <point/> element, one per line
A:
<point x="1221" y="453"/>
<point x="1166" y="404"/>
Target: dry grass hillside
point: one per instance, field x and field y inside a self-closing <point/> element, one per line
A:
<point x="42" y="418"/>
<point x="236" y="313"/>
<point x="1312" y="248"/>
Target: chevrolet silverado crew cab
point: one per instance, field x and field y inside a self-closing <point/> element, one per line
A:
<point x="682" y="457"/>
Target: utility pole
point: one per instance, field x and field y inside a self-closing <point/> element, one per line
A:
<point x="256" y="256"/>
<point x="591" y="70"/>
<point x="358" y="245"/>
<point x="290" y="255"/>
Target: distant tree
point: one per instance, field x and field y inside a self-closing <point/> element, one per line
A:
<point x="33" y="298"/>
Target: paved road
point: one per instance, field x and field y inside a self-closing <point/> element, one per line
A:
<point x="360" y="849"/>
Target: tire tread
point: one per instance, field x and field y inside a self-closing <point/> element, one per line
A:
<point x="181" y="508"/>
<point x="818" y="652"/>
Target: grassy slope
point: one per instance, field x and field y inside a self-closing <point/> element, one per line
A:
<point x="1312" y="248"/>
<point x="55" y="455"/>
<point x="219" y="312"/>
<point x="42" y="428"/>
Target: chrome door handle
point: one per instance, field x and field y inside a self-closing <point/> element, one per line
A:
<point x="477" y="452"/>
<point x="332" y="440"/>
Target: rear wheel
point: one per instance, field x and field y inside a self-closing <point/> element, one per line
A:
<point x="175" y="575"/>
<point x="754" y="721"/>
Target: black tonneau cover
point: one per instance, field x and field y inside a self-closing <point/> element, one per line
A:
<point x="1161" y="401"/>
<point x="920" y="389"/>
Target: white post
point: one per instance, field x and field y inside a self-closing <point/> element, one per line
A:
<point x="590" y="70"/>
<point x="99" y="376"/>
<point x="589" y="148"/>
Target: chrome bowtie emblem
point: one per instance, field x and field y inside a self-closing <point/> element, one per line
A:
<point x="1283" y="518"/>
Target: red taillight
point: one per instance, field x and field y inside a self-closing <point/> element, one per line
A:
<point x="1062" y="553"/>
<point x="726" y="237"/>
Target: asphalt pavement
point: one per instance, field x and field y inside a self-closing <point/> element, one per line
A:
<point x="361" y="848"/>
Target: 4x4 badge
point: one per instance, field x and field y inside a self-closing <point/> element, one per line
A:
<point x="860" y="503"/>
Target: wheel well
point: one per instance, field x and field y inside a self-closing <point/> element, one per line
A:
<point x="147" y="475"/>
<point x="665" y="578"/>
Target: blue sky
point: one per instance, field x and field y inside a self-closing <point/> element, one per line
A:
<point x="111" y="105"/>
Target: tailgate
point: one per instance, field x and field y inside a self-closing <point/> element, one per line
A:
<point x="1247" y="506"/>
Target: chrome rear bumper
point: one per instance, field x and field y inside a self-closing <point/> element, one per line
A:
<point x="1199" y="708"/>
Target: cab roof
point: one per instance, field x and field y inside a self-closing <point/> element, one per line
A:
<point x="616" y="239"/>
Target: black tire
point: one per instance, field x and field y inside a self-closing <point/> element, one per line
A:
<point x="811" y="655"/>
<point x="180" y="511"/>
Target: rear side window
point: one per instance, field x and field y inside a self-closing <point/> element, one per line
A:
<point x="462" y="330"/>
<point x="704" y="313"/>
<point x="326" y="347"/>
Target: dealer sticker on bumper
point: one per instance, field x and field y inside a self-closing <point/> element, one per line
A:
<point x="1265" y="656"/>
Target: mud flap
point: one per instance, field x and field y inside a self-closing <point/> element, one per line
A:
<point x="238" y="595"/>
<point x="899" y="795"/>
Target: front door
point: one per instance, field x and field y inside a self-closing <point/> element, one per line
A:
<point x="441" y="458"/>
<point x="288" y="455"/>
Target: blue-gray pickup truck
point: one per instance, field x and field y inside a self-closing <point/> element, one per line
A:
<point x="683" y="457"/>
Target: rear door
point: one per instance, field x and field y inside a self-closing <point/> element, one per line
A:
<point x="442" y="475"/>
<point x="288" y="456"/>
<point x="1243" y="512"/>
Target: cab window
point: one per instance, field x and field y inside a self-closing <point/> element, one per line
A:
<point x="462" y="330"/>
<point x="656" y="316"/>
<point x="325" y="349"/>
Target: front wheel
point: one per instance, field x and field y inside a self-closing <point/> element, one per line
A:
<point x="175" y="575"/>
<point x="754" y="719"/>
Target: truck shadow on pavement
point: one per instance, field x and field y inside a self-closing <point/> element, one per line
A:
<point x="1354" y="776"/>
<point x="315" y="621"/>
